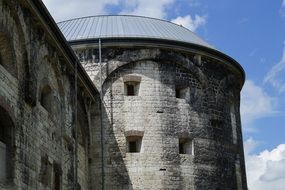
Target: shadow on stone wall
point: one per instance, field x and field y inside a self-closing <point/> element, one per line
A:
<point x="214" y="157"/>
<point x="116" y="174"/>
<point x="168" y="167"/>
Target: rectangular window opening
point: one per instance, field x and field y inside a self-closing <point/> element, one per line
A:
<point x="186" y="146"/>
<point x="181" y="92"/>
<point x="132" y="88"/>
<point x="134" y="144"/>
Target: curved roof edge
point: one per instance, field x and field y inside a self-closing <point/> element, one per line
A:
<point x="127" y="15"/>
<point x="184" y="46"/>
<point x="127" y="26"/>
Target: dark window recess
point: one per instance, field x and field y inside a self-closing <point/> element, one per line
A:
<point x="130" y="90"/>
<point x="57" y="181"/>
<point x="181" y="92"/>
<point x="181" y="148"/>
<point x="6" y="164"/>
<point x="177" y="93"/>
<point x="46" y="98"/>
<point x="185" y="146"/>
<point x="57" y="176"/>
<point x="133" y="146"/>
<point x="217" y="123"/>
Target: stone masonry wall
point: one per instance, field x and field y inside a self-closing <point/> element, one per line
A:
<point x="203" y="115"/>
<point x="41" y="151"/>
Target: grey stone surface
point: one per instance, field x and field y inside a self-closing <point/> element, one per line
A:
<point x="40" y="142"/>
<point x="208" y="114"/>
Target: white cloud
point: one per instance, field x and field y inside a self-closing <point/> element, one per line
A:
<point x="255" y="104"/>
<point x="190" y="23"/>
<point x="150" y="8"/>
<point x="157" y="9"/>
<point x="275" y="76"/>
<point x="265" y="170"/>
<point x="66" y="9"/>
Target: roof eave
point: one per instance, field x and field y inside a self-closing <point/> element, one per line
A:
<point x="154" y="42"/>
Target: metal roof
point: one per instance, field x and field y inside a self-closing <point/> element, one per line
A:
<point x="126" y="26"/>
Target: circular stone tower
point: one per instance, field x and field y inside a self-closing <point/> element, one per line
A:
<point x="170" y="115"/>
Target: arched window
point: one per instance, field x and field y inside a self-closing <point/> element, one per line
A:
<point x="46" y="98"/>
<point x="6" y="55"/>
<point x="6" y="128"/>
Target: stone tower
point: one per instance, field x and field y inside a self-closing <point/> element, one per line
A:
<point x="170" y="111"/>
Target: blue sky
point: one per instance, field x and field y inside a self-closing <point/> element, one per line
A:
<point x="253" y="33"/>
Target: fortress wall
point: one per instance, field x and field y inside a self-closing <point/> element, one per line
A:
<point x="203" y="114"/>
<point x="37" y="109"/>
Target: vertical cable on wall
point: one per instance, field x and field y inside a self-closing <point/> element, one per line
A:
<point x="101" y="118"/>
<point x="75" y="131"/>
